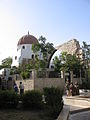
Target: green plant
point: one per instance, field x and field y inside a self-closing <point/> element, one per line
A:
<point x="8" y="99"/>
<point x="32" y="99"/>
<point x="54" y="101"/>
<point x="25" y="74"/>
<point x="84" y="85"/>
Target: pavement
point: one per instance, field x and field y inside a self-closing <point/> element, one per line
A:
<point x="80" y="116"/>
<point x="79" y="105"/>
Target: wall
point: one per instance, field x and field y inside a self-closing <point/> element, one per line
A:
<point x="28" y="84"/>
<point x="40" y="83"/>
<point x="70" y="47"/>
<point x="48" y="82"/>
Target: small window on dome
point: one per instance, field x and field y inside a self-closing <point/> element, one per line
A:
<point x="23" y="47"/>
<point x="32" y="56"/>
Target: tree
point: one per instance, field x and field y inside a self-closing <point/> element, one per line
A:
<point x="46" y="49"/>
<point x="15" y="70"/>
<point x="67" y="62"/>
<point x="86" y="51"/>
<point x="6" y="63"/>
<point x="57" y="64"/>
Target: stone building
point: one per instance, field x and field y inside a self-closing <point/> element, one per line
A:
<point x="24" y="51"/>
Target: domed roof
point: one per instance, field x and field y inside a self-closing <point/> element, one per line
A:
<point x="27" y="39"/>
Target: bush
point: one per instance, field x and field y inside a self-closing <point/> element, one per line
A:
<point x="32" y="99"/>
<point x="85" y="85"/>
<point x="54" y="101"/>
<point x="8" y="99"/>
<point x="25" y="75"/>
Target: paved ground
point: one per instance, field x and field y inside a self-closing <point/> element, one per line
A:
<point x="75" y="110"/>
<point x="80" y="116"/>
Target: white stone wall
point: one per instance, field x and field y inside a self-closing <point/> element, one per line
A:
<point x="16" y="61"/>
<point x="25" y="53"/>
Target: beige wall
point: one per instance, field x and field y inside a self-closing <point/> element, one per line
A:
<point x="40" y="83"/>
<point x="28" y="84"/>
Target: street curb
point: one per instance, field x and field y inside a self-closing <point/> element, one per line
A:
<point x="64" y="115"/>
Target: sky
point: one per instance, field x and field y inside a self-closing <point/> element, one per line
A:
<point x="57" y="20"/>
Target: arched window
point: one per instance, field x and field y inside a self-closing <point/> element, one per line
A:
<point x="23" y="47"/>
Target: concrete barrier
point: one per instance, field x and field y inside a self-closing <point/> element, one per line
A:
<point x="64" y="115"/>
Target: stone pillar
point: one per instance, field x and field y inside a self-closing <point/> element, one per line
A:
<point x="62" y="74"/>
<point x="34" y="75"/>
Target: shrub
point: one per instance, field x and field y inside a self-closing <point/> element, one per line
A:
<point x="85" y="85"/>
<point x="8" y="99"/>
<point x="25" y="75"/>
<point x="54" y="101"/>
<point x="32" y="99"/>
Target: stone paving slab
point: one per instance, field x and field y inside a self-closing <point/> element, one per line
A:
<point x="77" y="101"/>
<point x="79" y="106"/>
<point x="80" y="116"/>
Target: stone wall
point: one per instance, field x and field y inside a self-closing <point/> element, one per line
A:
<point x="28" y="84"/>
<point x="71" y="47"/>
<point x="40" y="83"/>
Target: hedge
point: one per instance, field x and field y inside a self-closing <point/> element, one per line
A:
<point x="32" y="99"/>
<point x="8" y="99"/>
<point x="53" y="99"/>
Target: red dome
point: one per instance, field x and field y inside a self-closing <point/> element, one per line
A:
<point x="27" y="39"/>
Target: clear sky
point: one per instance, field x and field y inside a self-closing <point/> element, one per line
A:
<point x="57" y="20"/>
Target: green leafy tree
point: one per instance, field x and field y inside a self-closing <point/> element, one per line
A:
<point x="86" y="51"/>
<point x="24" y="69"/>
<point x="57" y="64"/>
<point x="46" y="49"/>
<point x="15" y="70"/>
<point x="6" y="63"/>
<point x="67" y="62"/>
